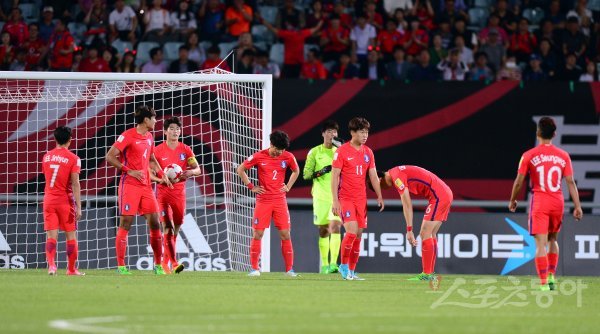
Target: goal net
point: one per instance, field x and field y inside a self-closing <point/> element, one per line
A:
<point x="225" y="118"/>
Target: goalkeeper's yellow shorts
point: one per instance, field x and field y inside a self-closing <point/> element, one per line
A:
<point x="322" y="214"/>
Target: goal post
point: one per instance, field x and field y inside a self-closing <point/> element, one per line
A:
<point x="225" y="118"/>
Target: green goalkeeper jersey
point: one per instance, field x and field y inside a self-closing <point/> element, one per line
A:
<point x="317" y="158"/>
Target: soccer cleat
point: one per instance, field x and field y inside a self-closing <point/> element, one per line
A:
<point x="551" y="281"/>
<point x="545" y="287"/>
<point x="122" y="270"/>
<point x="254" y="273"/>
<point x="421" y="277"/>
<point x="291" y="273"/>
<point x="333" y="268"/>
<point x="355" y="277"/>
<point x="52" y="270"/>
<point x="343" y="270"/>
<point x="179" y="268"/>
<point x="158" y="270"/>
<point x="165" y="266"/>
<point x="75" y="273"/>
<point x="325" y="270"/>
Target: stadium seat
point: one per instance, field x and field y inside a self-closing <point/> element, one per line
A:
<point x="478" y="18"/>
<point x="29" y="12"/>
<point x="122" y="46"/>
<point x="268" y="13"/>
<point x="171" y="50"/>
<point x="261" y="46"/>
<point x="226" y="48"/>
<point x="483" y="4"/>
<point x="143" y="52"/>
<point x="594" y="5"/>
<point x="276" y="53"/>
<point x="205" y="45"/>
<point x="535" y="16"/>
<point x="78" y="31"/>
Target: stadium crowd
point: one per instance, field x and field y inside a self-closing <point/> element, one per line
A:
<point x="451" y="40"/>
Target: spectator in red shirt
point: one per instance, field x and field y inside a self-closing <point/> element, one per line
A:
<point x="213" y="59"/>
<point x="345" y="18"/>
<point x="93" y="63"/>
<point x="415" y="40"/>
<point x="313" y="68"/>
<point x="16" y="27"/>
<point x="523" y="43"/>
<point x="424" y="13"/>
<point x="388" y="39"/>
<point x="345" y="69"/>
<point x="61" y="48"/>
<point x="373" y="18"/>
<point x="7" y="52"/>
<point x="335" y="40"/>
<point x="36" y="49"/>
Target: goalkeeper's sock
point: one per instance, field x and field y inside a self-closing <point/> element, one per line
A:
<point x="541" y="264"/>
<point x="156" y="244"/>
<point x="434" y="257"/>
<point x="552" y="263"/>
<point x="354" y="254"/>
<point x="71" y="254"/>
<point x="172" y="242"/>
<point x="255" y="245"/>
<point x="335" y="240"/>
<point x="427" y="255"/>
<point x="347" y="247"/>
<point x="288" y="254"/>
<point x="51" y="252"/>
<point x="324" y="250"/>
<point x="121" y="246"/>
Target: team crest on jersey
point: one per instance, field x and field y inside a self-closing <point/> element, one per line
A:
<point x="283" y="164"/>
<point x="367" y="158"/>
<point x="255" y="221"/>
<point x="162" y="213"/>
<point x="126" y="207"/>
<point x="399" y="184"/>
<point x="182" y="156"/>
<point x="347" y="214"/>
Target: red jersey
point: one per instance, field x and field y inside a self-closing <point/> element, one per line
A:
<point x="415" y="48"/>
<point x="293" y="40"/>
<point x="100" y="65"/>
<point x="388" y="40"/>
<point x="182" y="155"/>
<point x="19" y="32"/>
<point x="315" y="70"/>
<point x="271" y="172"/>
<point x="34" y="52"/>
<point x="546" y="165"/>
<point x="355" y="165"/>
<point x="136" y="150"/>
<point x="525" y="43"/>
<point x="57" y="166"/>
<point x="61" y="41"/>
<point x="335" y="37"/>
<point x="419" y="181"/>
<point x="208" y="64"/>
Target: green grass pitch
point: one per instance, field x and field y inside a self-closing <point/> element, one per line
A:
<point x="215" y="302"/>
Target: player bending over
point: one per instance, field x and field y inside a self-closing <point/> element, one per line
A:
<point x="271" y="203"/>
<point x="351" y="162"/>
<point x="133" y="155"/>
<point x="423" y="183"/>
<point x="171" y="200"/>
<point x="318" y="169"/>
<point x="546" y="165"/>
<point x="62" y="199"/>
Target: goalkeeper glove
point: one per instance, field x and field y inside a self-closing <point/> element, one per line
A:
<point x="337" y="141"/>
<point x="322" y="172"/>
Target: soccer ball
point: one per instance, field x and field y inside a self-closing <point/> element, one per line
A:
<point x="173" y="171"/>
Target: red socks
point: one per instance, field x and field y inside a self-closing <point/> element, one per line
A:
<point x="541" y="264"/>
<point x="435" y="250"/>
<point x="121" y="246"/>
<point x="51" y="252"/>
<point x="354" y="254"/>
<point x="347" y="245"/>
<point x="552" y="262"/>
<point x="255" y="246"/>
<point x="288" y="254"/>
<point x="172" y="242"/>
<point x="427" y="255"/>
<point x="71" y="254"/>
<point x="156" y="244"/>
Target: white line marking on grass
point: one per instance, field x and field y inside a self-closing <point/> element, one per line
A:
<point x="88" y="325"/>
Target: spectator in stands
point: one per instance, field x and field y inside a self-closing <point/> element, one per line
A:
<point x="402" y="24"/>
<point x="183" y="21"/>
<point x="573" y="40"/>
<point x="315" y="15"/>
<point x="344" y="69"/>
<point x="495" y="51"/>
<point x="451" y="14"/>
<point x="453" y="69"/>
<point x="183" y="64"/>
<point x="16" y="27"/>
<point x="481" y="71"/>
<point x="36" y="49"/>
<point x="77" y="58"/>
<point x="158" y="23"/>
<point x="127" y="64"/>
<point x="493" y="25"/>
<point x="445" y="32"/>
<point x="313" y="67"/>
<point x="213" y="60"/>
<point x="460" y="29"/>
<point x="363" y="36"/>
<point x="335" y="40"/>
<point x="111" y="57"/>
<point x="458" y="5"/>
<point x="509" y="71"/>
<point x="238" y="18"/>
<point x="423" y="70"/>
<point x="416" y="40"/>
<point x="212" y="19"/>
<point x="7" y="51"/>
<point x="436" y="51"/>
<point x="156" y="63"/>
<point x="388" y="39"/>
<point x="346" y="21"/>
<point x="391" y="6"/>
<point x="590" y="73"/>
<point x="289" y="13"/>
<point x="398" y="68"/>
<point x="245" y="42"/>
<point x="61" y="48"/>
<point x="93" y="63"/>
<point x="504" y="13"/>
<point x="122" y="23"/>
<point x="47" y="24"/>
<point x="523" y="43"/>
<point x="466" y="54"/>
<point x="373" y="18"/>
<point x="264" y="66"/>
<point x="423" y="11"/>
<point x="245" y="63"/>
<point x="548" y="58"/>
<point x="569" y="70"/>
<point x="19" y="63"/>
<point x="374" y="69"/>
<point x="581" y="12"/>
<point x="546" y="31"/>
<point x="555" y="15"/>
<point x="196" y="51"/>
<point x="534" y="71"/>
<point x="95" y="20"/>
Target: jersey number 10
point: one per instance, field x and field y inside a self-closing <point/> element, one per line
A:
<point x="553" y="170"/>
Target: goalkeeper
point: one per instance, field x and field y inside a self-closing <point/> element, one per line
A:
<point x="318" y="169"/>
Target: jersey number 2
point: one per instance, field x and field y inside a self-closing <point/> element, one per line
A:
<point x="551" y="172"/>
<point x="274" y="175"/>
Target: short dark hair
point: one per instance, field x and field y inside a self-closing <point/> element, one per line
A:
<point x="359" y="123"/>
<point x="329" y="125"/>
<point x="172" y="120"/>
<point x="279" y="139"/>
<point x="62" y="134"/>
<point x="142" y="112"/>
<point x="184" y="47"/>
<point x="154" y="52"/>
<point x="546" y="127"/>
<point x="214" y="49"/>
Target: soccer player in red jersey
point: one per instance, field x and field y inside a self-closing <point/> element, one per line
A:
<point x="133" y="155"/>
<point x="62" y="199"/>
<point x="351" y="162"/>
<point x="546" y="165"/>
<point x="171" y="201"/>
<point x="423" y="183"/>
<point x="272" y="164"/>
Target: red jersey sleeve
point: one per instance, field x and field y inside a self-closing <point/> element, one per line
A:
<point x="283" y="34"/>
<point x="251" y="161"/>
<point x="305" y="33"/>
<point x="76" y="166"/>
<point x="338" y="159"/>
<point x="121" y="142"/>
<point x="523" y="164"/>
<point x="190" y="155"/>
<point x="371" y="159"/>
<point x="568" y="167"/>
<point x="292" y="162"/>
<point x="399" y="180"/>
